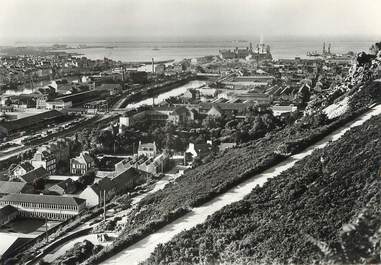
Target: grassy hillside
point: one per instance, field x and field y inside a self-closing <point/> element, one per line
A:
<point x="297" y="217"/>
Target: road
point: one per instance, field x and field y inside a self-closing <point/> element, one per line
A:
<point x="142" y="249"/>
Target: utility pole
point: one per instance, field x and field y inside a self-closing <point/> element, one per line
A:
<point x="46" y="229"/>
<point x="257" y="56"/>
<point x="104" y="206"/>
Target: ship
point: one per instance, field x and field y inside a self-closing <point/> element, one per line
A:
<point x="313" y="54"/>
<point x="260" y="53"/>
<point x="324" y="53"/>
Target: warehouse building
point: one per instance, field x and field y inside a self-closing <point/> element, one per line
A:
<point x="44" y="206"/>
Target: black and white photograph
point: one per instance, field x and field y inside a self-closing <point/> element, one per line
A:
<point x="190" y="132"/>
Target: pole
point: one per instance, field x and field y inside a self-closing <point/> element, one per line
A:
<point x="46" y="229"/>
<point x="104" y="206"/>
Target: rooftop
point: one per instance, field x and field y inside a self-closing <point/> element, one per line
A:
<point x="30" y="120"/>
<point x="34" y="174"/>
<point x="47" y="199"/>
<point x="7" y="187"/>
<point x="7" y="210"/>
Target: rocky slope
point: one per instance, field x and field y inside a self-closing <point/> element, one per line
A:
<point x="358" y="88"/>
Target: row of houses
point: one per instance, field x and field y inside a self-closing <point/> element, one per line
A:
<point x="49" y="155"/>
<point x="15" y="202"/>
<point x="153" y="165"/>
<point x="107" y="187"/>
<point x="157" y="115"/>
<point x="89" y="99"/>
<point x="183" y="113"/>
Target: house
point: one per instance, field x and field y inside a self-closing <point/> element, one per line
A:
<point x="41" y="101"/>
<point x="192" y="94"/>
<point x="67" y="186"/>
<point x="58" y="104"/>
<point x="152" y="165"/>
<point x="198" y="150"/>
<point x="208" y="92"/>
<point x="159" y="115"/>
<point x="106" y="188"/>
<point x="7" y="214"/>
<point x="155" y="165"/>
<point x="124" y="164"/>
<point x="60" y="148"/>
<point x="81" y="164"/>
<point x="160" y="69"/>
<point x="85" y="79"/>
<point x="147" y="149"/>
<point x="98" y="192"/>
<point x="9" y="187"/>
<point x="215" y="111"/>
<point x="182" y="115"/>
<point x="21" y="169"/>
<point x="32" y="175"/>
<point x="129" y="179"/>
<point x="44" y="158"/>
<point x="94" y="107"/>
<point x="224" y="146"/>
<point x="279" y="110"/>
<point x="44" y="206"/>
<point x="11" y="245"/>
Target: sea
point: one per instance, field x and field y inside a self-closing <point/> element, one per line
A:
<point x="144" y="51"/>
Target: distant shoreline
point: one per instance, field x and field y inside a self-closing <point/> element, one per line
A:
<point x="149" y="62"/>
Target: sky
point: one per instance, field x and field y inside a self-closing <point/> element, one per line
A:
<point x="66" y="20"/>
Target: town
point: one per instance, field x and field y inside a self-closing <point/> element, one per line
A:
<point x="82" y="141"/>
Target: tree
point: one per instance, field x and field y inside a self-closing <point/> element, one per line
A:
<point x="88" y="178"/>
<point x="196" y="162"/>
<point x="39" y="184"/>
<point x="303" y="96"/>
<point x="209" y="122"/>
<point x="259" y="127"/>
<point x="106" y="139"/>
<point x="169" y="141"/>
<point x="11" y="167"/>
<point x="375" y="48"/>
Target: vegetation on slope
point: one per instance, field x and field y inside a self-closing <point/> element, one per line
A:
<point x="299" y="217"/>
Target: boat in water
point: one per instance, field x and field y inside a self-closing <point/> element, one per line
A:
<point x="313" y="54"/>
